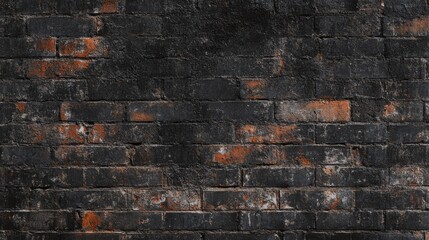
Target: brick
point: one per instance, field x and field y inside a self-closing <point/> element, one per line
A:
<point x="124" y="90"/>
<point x="206" y="89"/>
<point x="166" y="154"/>
<point x="405" y="27"/>
<point x="275" y="133"/>
<point x="93" y="199"/>
<point x="242" y="236"/>
<point x="389" y="111"/>
<point x="89" y="155"/>
<point x="196" y="133"/>
<point x="339" y="220"/>
<point x="407" y="48"/>
<point x="408" y="90"/>
<point x="240" y="154"/>
<point x="370" y="156"/>
<point x="368" y="68"/>
<point x="408" y="176"/>
<point x="61" y="26"/>
<point x="88" y="236"/>
<point x="283" y="220"/>
<point x="239" y="200"/>
<point x="12" y="26"/>
<point x="330" y="176"/>
<point x="350" y="25"/>
<point x="121" y="220"/>
<point x="123" y="177"/>
<point x="307" y="156"/>
<point x="24" y="47"/>
<point x="201" y="221"/>
<point x="351" y="89"/>
<point x="144" y="6"/>
<point x="164" y="236"/>
<point x="40" y="220"/>
<point x="354" y="47"/>
<point x="117" y="25"/>
<point x="42" y="177"/>
<point x="11" y="68"/>
<point x="330" y="199"/>
<point x="25" y="156"/>
<point x="408" y="133"/>
<point x="397" y="199"/>
<point x="311" y="111"/>
<point x="276" y="88"/>
<point x="407" y="68"/>
<point x="83" y="47"/>
<point x="57" y="68"/>
<point x="337" y="6"/>
<point x="166" y="200"/>
<point x="47" y="133"/>
<point x="236" y="111"/>
<point x="29" y="112"/>
<point x="203" y="176"/>
<point x="405" y="8"/>
<point x="368" y="133"/>
<point x="407" y="155"/>
<point x="91" y="112"/>
<point x="123" y="133"/>
<point x="279" y="177"/>
<point x="160" y="111"/>
<point x="407" y="220"/>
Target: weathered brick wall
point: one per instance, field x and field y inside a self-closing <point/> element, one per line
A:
<point x="214" y="119"/>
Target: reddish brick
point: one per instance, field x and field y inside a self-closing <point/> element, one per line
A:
<point x="166" y="200"/>
<point x="242" y="154"/>
<point x="83" y="47"/>
<point x="274" y="133"/>
<point x="322" y="111"/>
<point x="109" y="6"/>
<point x="90" y="221"/>
<point x="56" y="68"/>
<point x="240" y="200"/>
<point x="47" y="46"/>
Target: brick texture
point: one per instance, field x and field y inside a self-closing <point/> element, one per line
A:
<point x="214" y="119"/>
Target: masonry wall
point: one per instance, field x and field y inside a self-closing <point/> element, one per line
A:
<point x="214" y="119"/>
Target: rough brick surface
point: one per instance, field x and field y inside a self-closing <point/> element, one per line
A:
<point x="214" y="119"/>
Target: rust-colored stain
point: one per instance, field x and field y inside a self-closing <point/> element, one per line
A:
<point x="21" y="106"/>
<point x="254" y="88"/>
<point x="98" y="133"/>
<point x="90" y="221"/>
<point x="70" y="133"/>
<point x="328" y="170"/>
<point x="82" y="47"/>
<point x="46" y="45"/>
<point x="267" y="134"/>
<point x="233" y="155"/>
<point x="142" y="117"/>
<point x="335" y="204"/>
<point x="246" y="197"/>
<point x="415" y="26"/>
<point x="389" y="109"/>
<point x="64" y="112"/>
<point x="281" y="64"/>
<point x="55" y="68"/>
<point x="109" y="6"/>
<point x="304" y="161"/>
<point x="330" y="110"/>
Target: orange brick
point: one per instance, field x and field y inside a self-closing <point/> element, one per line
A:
<point x="83" y="47"/>
<point x="56" y="68"/>
<point x="321" y="111"/>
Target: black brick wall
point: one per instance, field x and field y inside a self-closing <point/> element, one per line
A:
<point x="214" y="119"/>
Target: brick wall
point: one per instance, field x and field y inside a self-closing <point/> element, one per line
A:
<point x="214" y="119"/>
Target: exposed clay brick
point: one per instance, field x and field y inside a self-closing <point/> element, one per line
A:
<point x="166" y="200"/>
<point x="83" y="47"/>
<point x="275" y="133"/>
<point x="56" y="68"/>
<point x="323" y="111"/>
<point x="241" y="154"/>
<point x="239" y="200"/>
